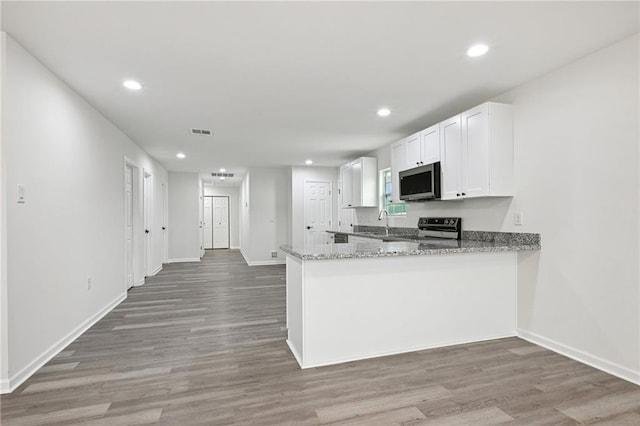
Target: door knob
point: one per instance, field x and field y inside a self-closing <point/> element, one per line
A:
<point x="146" y="231"/>
<point x="164" y="229"/>
<point x="309" y="227"/>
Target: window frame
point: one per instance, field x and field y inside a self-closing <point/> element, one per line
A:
<point x="382" y="201"/>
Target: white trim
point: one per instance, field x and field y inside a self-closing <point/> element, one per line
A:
<point x="295" y="353"/>
<point x="234" y="248"/>
<point x="408" y="350"/>
<point x="262" y="262"/>
<point x="246" y="259"/>
<point x="184" y="259"/>
<point x="8" y="386"/>
<point x="140" y="282"/>
<point x="267" y="262"/>
<point x="581" y="356"/>
<point x="155" y="271"/>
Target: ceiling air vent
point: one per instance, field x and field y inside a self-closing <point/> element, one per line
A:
<point x="224" y="175"/>
<point x="202" y="132"/>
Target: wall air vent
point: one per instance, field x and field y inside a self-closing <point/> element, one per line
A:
<point x="202" y="132"/>
<point x="222" y="175"/>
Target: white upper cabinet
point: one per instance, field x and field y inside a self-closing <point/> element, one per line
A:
<point x="477" y="153"/>
<point x="451" y="158"/>
<point x="346" y="184"/>
<point x="430" y="145"/>
<point x="413" y="151"/>
<point x="359" y="183"/>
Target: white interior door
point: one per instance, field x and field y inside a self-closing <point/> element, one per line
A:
<point x="220" y="222"/>
<point x="207" y="223"/>
<point x="128" y="212"/>
<point x="317" y="212"/>
<point x="146" y="206"/>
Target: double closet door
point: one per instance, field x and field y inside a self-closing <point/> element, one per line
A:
<point x="216" y="222"/>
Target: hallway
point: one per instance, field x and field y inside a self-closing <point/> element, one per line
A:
<point x="204" y="343"/>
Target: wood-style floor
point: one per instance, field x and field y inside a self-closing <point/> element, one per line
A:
<point x="204" y="343"/>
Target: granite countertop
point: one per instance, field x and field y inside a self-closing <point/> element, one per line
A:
<point x="473" y="242"/>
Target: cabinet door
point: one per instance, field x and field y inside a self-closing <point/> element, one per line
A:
<point x="475" y="152"/>
<point x="346" y="183"/>
<point x="430" y="145"/>
<point x="450" y="158"/>
<point x="414" y="154"/>
<point x="346" y="220"/>
<point x="356" y="180"/>
<point x="398" y="164"/>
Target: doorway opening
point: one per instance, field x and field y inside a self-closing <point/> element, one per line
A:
<point x="216" y="222"/>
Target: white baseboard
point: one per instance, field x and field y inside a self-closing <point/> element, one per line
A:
<point x="234" y="248"/>
<point x="155" y="271"/>
<point x="262" y="262"/>
<point x="295" y="353"/>
<point x="8" y="386"/>
<point x="442" y="344"/>
<point x="184" y="259"/>
<point x="267" y="262"/>
<point x="139" y="283"/>
<point x="581" y="356"/>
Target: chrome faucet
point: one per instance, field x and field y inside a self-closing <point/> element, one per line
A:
<point x="384" y="211"/>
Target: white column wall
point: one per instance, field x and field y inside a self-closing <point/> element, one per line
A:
<point x="184" y="217"/>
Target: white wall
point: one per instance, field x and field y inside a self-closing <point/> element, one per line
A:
<point x="233" y="192"/>
<point x="71" y="161"/>
<point x="576" y="163"/>
<point x="4" y="310"/>
<point x="184" y="217"/>
<point x="298" y="177"/>
<point x="264" y="215"/>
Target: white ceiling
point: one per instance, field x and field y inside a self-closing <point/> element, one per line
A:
<point x="282" y="82"/>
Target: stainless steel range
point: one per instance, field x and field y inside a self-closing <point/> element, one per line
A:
<point x="440" y="227"/>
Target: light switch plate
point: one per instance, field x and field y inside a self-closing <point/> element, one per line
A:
<point x="20" y="194"/>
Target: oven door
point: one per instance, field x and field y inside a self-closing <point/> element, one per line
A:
<point x="420" y="183"/>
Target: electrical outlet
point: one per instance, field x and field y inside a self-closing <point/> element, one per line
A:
<point x="517" y="219"/>
<point x="274" y="254"/>
<point x="89" y="283"/>
<point x="20" y="194"/>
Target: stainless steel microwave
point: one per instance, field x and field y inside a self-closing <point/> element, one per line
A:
<point x="420" y="183"/>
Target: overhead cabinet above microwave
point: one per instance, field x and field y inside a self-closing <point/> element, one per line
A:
<point x="475" y="150"/>
<point x="358" y="183"/>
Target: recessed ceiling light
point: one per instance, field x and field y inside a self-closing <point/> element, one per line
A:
<point x="132" y="85"/>
<point x="477" y="50"/>
<point x="180" y="155"/>
<point x="383" y="112"/>
<point x="223" y="170"/>
<point x="308" y="162"/>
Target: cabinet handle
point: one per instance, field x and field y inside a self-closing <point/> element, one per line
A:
<point x="457" y="195"/>
<point x="418" y="163"/>
<point x="463" y="194"/>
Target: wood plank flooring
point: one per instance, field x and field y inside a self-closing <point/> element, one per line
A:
<point x="204" y="344"/>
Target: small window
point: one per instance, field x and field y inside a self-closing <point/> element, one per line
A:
<point x="394" y="209"/>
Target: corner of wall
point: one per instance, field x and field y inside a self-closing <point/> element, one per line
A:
<point x="4" y="311"/>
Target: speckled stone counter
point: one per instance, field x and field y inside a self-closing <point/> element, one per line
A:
<point x="474" y="242"/>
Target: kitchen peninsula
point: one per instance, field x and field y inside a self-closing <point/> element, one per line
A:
<point x="360" y="300"/>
